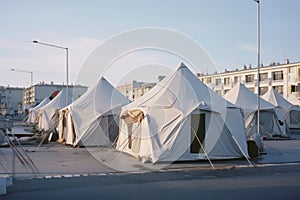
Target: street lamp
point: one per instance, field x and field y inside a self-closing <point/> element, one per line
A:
<point x="31" y="74"/>
<point x="258" y="63"/>
<point x="67" y="64"/>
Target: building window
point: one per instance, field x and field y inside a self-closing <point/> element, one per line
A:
<point x="218" y="81"/>
<point x="226" y="81"/>
<point x="208" y="80"/>
<point x="250" y="78"/>
<point x="277" y="75"/>
<point x="237" y="79"/>
<point x="295" y="88"/>
<point x="263" y="77"/>
<point x="279" y="89"/>
<point x="263" y="90"/>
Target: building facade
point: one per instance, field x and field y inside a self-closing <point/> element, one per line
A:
<point x="135" y="89"/>
<point x="10" y="100"/>
<point x="284" y="78"/>
<point x="34" y="94"/>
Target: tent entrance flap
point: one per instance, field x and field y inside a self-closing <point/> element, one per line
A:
<point x="198" y="127"/>
<point x="133" y="119"/>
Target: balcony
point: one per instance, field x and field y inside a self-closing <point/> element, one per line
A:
<point x="250" y="83"/>
<point x="267" y="80"/>
<point x="277" y="81"/>
<point x="217" y="86"/>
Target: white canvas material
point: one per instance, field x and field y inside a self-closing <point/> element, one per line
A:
<point x="89" y="121"/>
<point x="247" y="100"/>
<point x="158" y="126"/>
<point x="46" y="112"/>
<point x="33" y="112"/>
<point x="286" y="111"/>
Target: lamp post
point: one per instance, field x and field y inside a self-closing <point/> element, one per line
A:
<point x="67" y="64"/>
<point x="31" y="74"/>
<point x="258" y="64"/>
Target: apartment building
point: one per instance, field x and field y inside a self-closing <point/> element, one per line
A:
<point x="284" y="78"/>
<point x="135" y="89"/>
<point x="34" y="94"/>
<point x="10" y="100"/>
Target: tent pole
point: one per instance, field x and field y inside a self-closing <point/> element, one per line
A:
<point x="258" y="65"/>
<point x="203" y="149"/>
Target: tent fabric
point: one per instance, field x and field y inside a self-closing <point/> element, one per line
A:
<point x="33" y="112"/>
<point x="53" y="123"/>
<point x="66" y="127"/>
<point x="89" y="121"/>
<point x="162" y="124"/>
<point x="289" y="113"/>
<point x="46" y="113"/>
<point x="247" y="100"/>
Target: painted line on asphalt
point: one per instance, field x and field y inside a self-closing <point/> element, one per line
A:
<point x="58" y="176"/>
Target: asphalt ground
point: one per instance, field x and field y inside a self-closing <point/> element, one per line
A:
<point x="274" y="182"/>
<point x="64" y="170"/>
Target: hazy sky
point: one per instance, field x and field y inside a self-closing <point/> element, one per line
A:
<point x="226" y="29"/>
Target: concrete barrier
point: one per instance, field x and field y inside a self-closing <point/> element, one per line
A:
<point x="5" y="181"/>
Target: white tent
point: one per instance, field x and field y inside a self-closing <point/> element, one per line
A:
<point x="33" y="112"/>
<point x="247" y="100"/>
<point x="47" y="112"/>
<point x="90" y="120"/>
<point x="181" y="119"/>
<point x="290" y="113"/>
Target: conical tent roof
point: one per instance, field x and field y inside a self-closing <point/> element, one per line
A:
<point x="47" y="111"/>
<point x="241" y="96"/>
<point x="163" y="117"/>
<point x="175" y="89"/>
<point x="286" y="111"/>
<point x="33" y="112"/>
<point x="276" y="99"/>
<point x="86" y="112"/>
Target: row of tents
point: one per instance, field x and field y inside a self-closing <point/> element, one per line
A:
<point x="277" y="116"/>
<point x="178" y="119"/>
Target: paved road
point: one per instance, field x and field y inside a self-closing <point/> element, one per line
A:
<point x="280" y="182"/>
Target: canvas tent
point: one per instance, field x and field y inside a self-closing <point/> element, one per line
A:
<point x="90" y="120"/>
<point x="181" y="119"/>
<point x="33" y="112"/>
<point x="47" y="112"/>
<point x="247" y="100"/>
<point x="290" y="113"/>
